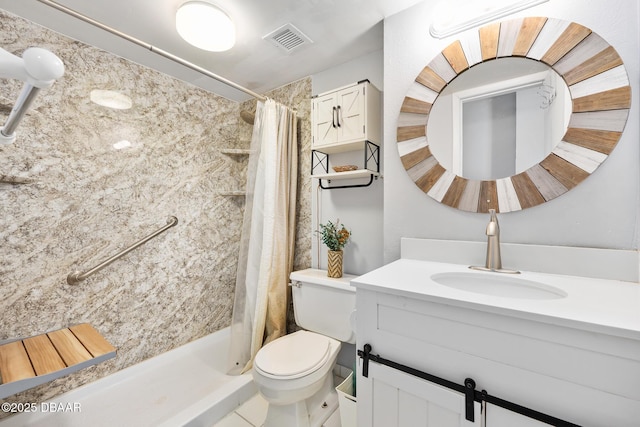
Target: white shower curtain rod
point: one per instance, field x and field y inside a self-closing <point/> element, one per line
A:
<point x="151" y="48"/>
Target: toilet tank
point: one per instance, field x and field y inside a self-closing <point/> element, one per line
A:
<point x="324" y="305"/>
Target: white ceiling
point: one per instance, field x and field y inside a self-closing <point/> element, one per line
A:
<point x="340" y="30"/>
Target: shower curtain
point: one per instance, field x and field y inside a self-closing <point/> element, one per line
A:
<point x="268" y="235"/>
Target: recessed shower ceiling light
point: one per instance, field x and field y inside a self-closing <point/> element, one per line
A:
<point x="205" y="26"/>
<point x="110" y="99"/>
<point x="120" y="145"/>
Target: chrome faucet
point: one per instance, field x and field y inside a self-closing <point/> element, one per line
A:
<point x="494" y="260"/>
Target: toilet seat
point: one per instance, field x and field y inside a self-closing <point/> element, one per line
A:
<point x="293" y="356"/>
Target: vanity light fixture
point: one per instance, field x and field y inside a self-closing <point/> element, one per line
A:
<point x="454" y="16"/>
<point x="205" y="26"/>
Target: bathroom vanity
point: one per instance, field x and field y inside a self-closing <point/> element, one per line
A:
<point x="562" y="345"/>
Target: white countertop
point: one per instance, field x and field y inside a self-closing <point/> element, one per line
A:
<point x="598" y="305"/>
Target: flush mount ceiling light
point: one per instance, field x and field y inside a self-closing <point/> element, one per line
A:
<point x="205" y="26"/>
<point x="454" y="16"/>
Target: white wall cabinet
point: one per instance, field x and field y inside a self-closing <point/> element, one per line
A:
<point x="346" y="120"/>
<point x="345" y="115"/>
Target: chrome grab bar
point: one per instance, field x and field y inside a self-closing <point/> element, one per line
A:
<point x="78" y="276"/>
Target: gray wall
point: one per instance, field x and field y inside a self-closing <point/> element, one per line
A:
<point x="601" y="212"/>
<point x="360" y="209"/>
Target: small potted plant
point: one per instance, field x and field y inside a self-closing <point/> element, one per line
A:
<point x="335" y="237"/>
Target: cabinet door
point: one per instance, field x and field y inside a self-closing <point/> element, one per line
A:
<point x="392" y="398"/>
<point x="324" y="120"/>
<point x="350" y="113"/>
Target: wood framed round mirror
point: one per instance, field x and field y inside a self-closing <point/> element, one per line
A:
<point x="555" y="53"/>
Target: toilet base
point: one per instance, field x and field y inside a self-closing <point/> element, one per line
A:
<point x="311" y="412"/>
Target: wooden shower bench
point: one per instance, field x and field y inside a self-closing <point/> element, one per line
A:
<point x="36" y="360"/>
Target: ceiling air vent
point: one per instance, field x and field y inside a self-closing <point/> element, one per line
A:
<point x="287" y="38"/>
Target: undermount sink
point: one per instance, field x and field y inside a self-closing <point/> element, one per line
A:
<point x="497" y="285"/>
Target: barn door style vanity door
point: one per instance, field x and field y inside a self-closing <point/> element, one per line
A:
<point x="392" y="398"/>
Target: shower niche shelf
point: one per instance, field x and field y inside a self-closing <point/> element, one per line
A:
<point x="29" y="362"/>
<point x="238" y="193"/>
<point x="236" y="151"/>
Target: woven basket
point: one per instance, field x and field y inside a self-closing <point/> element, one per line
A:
<point x="334" y="264"/>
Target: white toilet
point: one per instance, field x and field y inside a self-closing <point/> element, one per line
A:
<point x="294" y="373"/>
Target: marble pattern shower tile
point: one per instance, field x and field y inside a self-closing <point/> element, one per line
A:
<point x="80" y="200"/>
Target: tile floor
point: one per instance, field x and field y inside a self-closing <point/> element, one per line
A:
<point x="253" y="412"/>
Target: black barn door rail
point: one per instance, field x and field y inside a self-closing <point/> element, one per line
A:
<point x="468" y="389"/>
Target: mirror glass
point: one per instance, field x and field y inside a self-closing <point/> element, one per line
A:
<point x="468" y="139"/>
<point x="499" y="118"/>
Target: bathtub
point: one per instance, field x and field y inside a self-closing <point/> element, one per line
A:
<point x="186" y="386"/>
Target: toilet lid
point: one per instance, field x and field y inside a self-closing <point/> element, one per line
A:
<point x="293" y="355"/>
